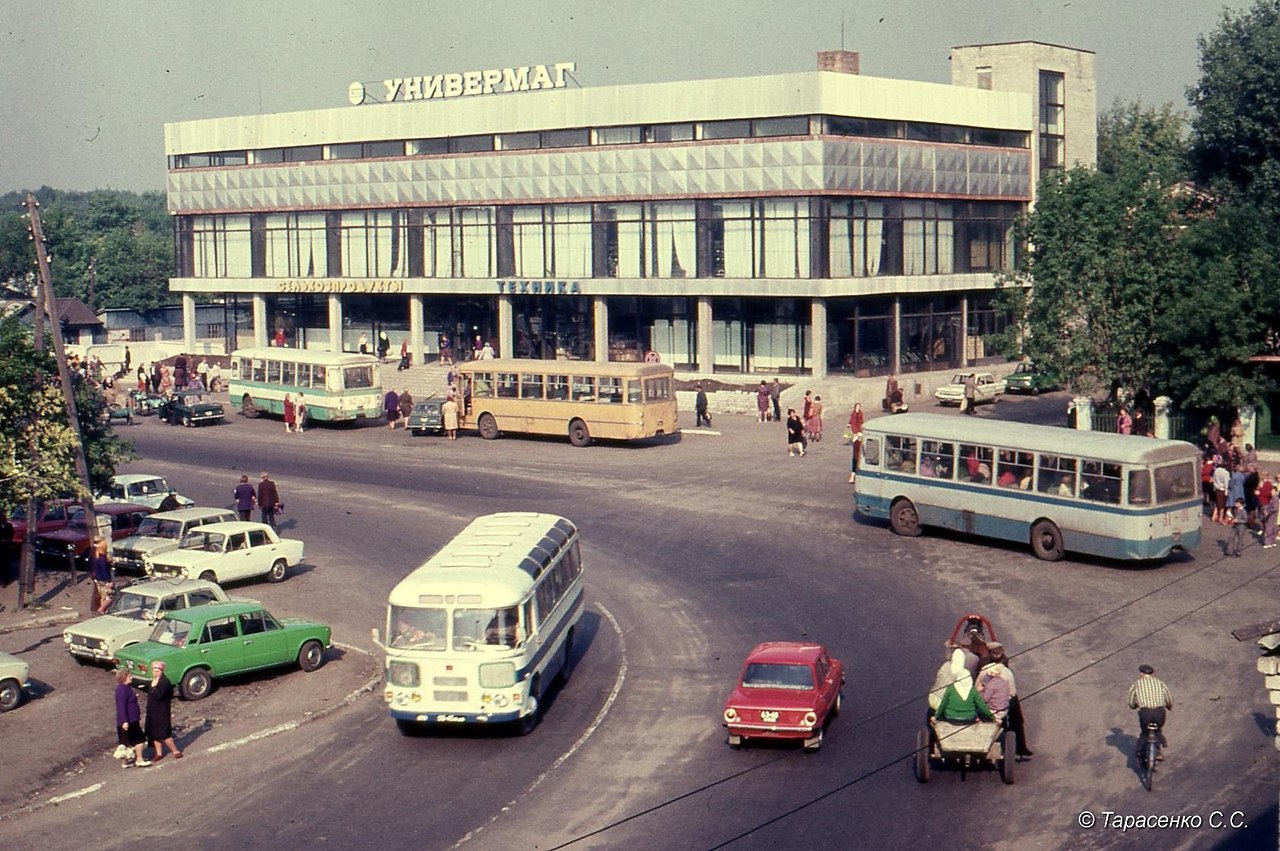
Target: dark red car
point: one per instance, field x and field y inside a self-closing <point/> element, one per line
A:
<point x="52" y="515"/>
<point x="787" y="690"/>
<point x="74" y="539"/>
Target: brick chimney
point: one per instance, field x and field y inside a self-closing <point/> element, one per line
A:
<point x="840" y="61"/>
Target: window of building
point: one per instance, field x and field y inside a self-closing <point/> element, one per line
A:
<point x="984" y="77"/>
<point x="294" y="245"/>
<point x="350" y="151"/>
<point x="223" y="158"/>
<point x="304" y="153"/>
<point x="566" y="138"/>
<point x="374" y="243"/>
<point x="470" y="144"/>
<point x="839" y="125"/>
<point x="217" y="247"/>
<point x="669" y="133"/>
<point x="425" y="147"/>
<point x="797" y="125"/>
<point x="518" y="141"/>
<point x="619" y="135"/>
<point x="269" y="155"/>
<point x="726" y="129"/>
<point x="1053" y="94"/>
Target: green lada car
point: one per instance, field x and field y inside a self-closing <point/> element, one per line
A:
<point x="219" y="640"/>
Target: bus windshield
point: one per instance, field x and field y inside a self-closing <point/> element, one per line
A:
<point x="357" y="377"/>
<point x="478" y="628"/>
<point x="417" y="629"/>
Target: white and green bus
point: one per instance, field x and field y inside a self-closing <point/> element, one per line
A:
<point x="337" y="386"/>
<point x="479" y="631"/>
<point x="1057" y="489"/>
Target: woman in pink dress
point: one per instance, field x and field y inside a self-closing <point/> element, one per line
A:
<point x="290" y="415"/>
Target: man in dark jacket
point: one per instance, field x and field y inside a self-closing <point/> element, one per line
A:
<point x="268" y="500"/>
<point x="700" y="408"/>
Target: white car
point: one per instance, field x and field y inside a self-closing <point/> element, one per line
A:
<point x="13" y="681"/>
<point x="160" y="533"/>
<point x="224" y="552"/>
<point x="132" y="616"/>
<point x="988" y="389"/>
<point x="142" y="489"/>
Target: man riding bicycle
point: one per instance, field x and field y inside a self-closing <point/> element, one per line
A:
<point x="1151" y="698"/>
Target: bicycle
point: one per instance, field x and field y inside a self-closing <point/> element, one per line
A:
<point x="1149" y="754"/>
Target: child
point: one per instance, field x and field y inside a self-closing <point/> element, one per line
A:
<point x="1239" y="522"/>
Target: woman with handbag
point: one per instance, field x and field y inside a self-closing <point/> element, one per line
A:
<point x="855" y="437"/>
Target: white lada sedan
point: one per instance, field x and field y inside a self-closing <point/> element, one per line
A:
<point x="226" y="552"/>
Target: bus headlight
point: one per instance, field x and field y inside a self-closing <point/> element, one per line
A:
<point x="404" y="674"/>
<point x="497" y="675"/>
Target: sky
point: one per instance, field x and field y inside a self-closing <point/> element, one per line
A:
<point x="86" y="86"/>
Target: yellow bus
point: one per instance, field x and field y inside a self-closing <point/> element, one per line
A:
<point x="583" y="400"/>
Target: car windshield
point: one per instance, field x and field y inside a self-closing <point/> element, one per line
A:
<point x="958" y="379"/>
<point x="773" y="675"/>
<point x="148" y="487"/>
<point x="419" y="629"/>
<point x="171" y="632"/>
<point x="474" y="629"/>
<point x="153" y="528"/>
<point x="135" y="606"/>
<point x="212" y="542"/>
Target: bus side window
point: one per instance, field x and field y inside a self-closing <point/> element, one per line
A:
<point x="584" y="389"/>
<point x="1100" y="481"/>
<point x="1140" y="487"/>
<point x="531" y="386"/>
<point x="557" y="387"/>
<point x="635" y="392"/>
<point x="259" y="370"/>
<point x="287" y="372"/>
<point x="507" y="384"/>
<point x="975" y="463"/>
<point x="871" y="452"/>
<point x="483" y="385"/>
<point x="611" y="390"/>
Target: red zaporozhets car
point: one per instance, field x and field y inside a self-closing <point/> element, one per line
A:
<point x="788" y="690"/>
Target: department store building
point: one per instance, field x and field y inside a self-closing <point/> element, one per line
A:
<point x="813" y="223"/>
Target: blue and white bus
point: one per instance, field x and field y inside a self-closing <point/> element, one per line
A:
<point x="477" y="633"/>
<point x="1110" y="495"/>
<point x="336" y="386"/>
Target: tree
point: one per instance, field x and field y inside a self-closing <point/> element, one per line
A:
<point x="1154" y="137"/>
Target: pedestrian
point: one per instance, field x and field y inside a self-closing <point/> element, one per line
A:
<point x="1235" y="491"/>
<point x="806" y="409"/>
<point x="384" y="346"/>
<point x="476" y="347"/>
<point x="1221" y="481"/>
<point x="215" y="377"/>
<point x="268" y="500"/>
<point x="180" y="372"/>
<point x="279" y="341"/>
<point x="244" y="497"/>
<point x="1270" y="512"/>
<point x="700" y="408"/>
<point x="449" y="412"/>
<point x="795" y="433"/>
<point x="1239" y="523"/>
<point x="290" y="413"/>
<point x="128" y="358"/>
<point x="970" y="394"/>
<point x="300" y="415"/>
<point x="202" y="372"/>
<point x="1141" y="425"/>
<point x="159" y="727"/>
<point x="100" y="569"/>
<point x="1206" y="479"/>
<point x="446" y="350"/>
<point x="391" y="407"/>
<point x="855" y="431"/>
<point x="404" y="354"/>
<point x="157" y="373"/>
<point x="128" y="724"/>
<point x="406" y="407"/>
<point x="762" y="401"/>
<point x="364" y="343"/>
<point x="813" y="425"/>
<point x="1124" y="422"/>
<point x="487" y="352"/>
<point x="775" y="396"/>
<point x="1017" y="721"/>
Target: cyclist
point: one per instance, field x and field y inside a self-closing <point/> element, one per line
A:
<point x="1151" y="698"/>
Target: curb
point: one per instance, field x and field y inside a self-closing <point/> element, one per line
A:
<point x="46" y="620"/>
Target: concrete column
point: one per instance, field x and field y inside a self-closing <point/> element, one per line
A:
<point x="506" y="329"/>
<point x="335" y="322"/>
<point x="417" y="349"/>
<point x="188" y="322"/>
<point x="706" y="337"/>
<point x="964" y="331"/>
<point x="600" y="327"/>
<point x="1164" y="406"/>
<point x="1083" y="406"/>
<point x="895" y="347"/>
<point x="1249" y="422"/>
<point x="818" y="317"/>
<point x="261" y="334"/>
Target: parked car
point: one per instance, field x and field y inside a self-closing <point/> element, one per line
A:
<point x="1031" y="378"/>
<point x="988" y="389"/>
<point x="144" y="403"/>
<point x="50" y="515"/>
<point x="14" y="673"/>
<point x="787" y="690"/>
<point x="160" y="533"/>
<point x="224" y="552"/>
<point x="132" y="615"/>
<point x="142" y="489"/>
<point x="191" y="408"/>
<point x="426" y="416"/>
<point x="204" y="643"/>
<point x="75" y="538"/>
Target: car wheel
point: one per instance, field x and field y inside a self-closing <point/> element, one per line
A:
<point x="10" y="694"/>
<point x="814" y="742"/>
<point x="1007" y="757"/>
<point x="1046" y="540"/>
<point x="922" y="756"/>
<point x="209" y="576"/>
<point x="529" y="722"/>
<point x="838" y="705"/>
<point x="903" y="518"/>
<point x="248" y="408"/>
<point x="579" y="434"/>
<point x="311" y="656"/>
<point x="186" y="421"/>
<point x="488" y="426"/>
<point x="196" y="684"/>
<point x="1035" y="391"/>
<point x="277" y="571"/>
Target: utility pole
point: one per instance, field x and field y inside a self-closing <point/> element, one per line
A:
<point x="93" y="280"/>
<point x="27" y="564"/>
<point x="55" y="326"/>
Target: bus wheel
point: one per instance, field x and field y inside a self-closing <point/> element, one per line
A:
<point x="488" y="426"/>
<point x="1046" y="540"/>
<point x="579" y="434"/>
<point x="247" y="407"/>
<point x="903" y="518"/>
<point x="566" y="669"/>
<point x="527" y="723"/>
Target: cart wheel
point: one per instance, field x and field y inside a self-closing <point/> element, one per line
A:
<point x="1007" y="757"/>
<point x="922" y="756"/>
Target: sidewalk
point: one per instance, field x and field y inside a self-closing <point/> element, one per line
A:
<point x="54" y="601"/>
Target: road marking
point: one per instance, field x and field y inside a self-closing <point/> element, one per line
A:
<point x="582" y="740"/>
<point x="699" y="431"/>
<point x="80" y="793"/>
<point x="253" y="737"/>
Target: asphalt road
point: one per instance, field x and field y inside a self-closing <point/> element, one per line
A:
<point x="695" y="550"/>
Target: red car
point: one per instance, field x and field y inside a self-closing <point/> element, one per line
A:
<point x="54" y="514"/>
<point x="788" y="690"/>
<point x="74" y="539"/>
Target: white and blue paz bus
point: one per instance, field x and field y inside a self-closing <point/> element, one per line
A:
<point x="1110" y="495"/>
<point x="477" y="633"/>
